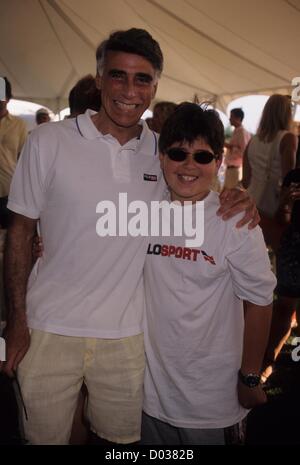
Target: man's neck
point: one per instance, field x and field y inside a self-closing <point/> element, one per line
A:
<point x="122" y="134"/>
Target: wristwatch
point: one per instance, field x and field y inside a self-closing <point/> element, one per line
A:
<point x="250" y="379"/>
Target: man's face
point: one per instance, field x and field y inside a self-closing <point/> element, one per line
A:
<point x="128" y="84"/>
<point x="189" y="180"/>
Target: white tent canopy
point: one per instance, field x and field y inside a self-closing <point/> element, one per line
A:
<point x="216" y="49"/>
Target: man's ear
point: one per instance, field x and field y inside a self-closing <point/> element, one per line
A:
<point x="98" y="81"/>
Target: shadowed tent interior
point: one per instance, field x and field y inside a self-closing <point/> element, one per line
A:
<point x="217" y="50"/>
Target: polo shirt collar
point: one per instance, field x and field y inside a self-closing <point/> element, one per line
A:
<point x="86" y="127"/>
<point x="88" y="130"/>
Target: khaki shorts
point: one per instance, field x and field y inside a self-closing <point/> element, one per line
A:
<point x="51" y="375"/>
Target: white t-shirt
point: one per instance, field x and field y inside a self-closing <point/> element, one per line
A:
<point x="84" y="285"/>
<point x="194" y="320"/>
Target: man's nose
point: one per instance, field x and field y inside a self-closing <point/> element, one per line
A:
<point x="129" y="88"/>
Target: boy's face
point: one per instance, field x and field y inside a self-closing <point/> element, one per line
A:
<point x="188" y="180"/>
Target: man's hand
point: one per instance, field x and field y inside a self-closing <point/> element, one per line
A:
<point x="251" y="397"/>
<point x="17" y="339"/>
<point x="234" y="201"/>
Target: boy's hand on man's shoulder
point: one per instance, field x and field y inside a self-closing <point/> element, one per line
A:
<point x="237" y="200"/>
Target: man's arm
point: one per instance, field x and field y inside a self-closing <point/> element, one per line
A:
<point x="256" y="334"/>
<point x="234" y="201"/>
<point x="17" y="267"/>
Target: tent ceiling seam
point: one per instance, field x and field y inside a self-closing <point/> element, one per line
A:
<point x="67" y="7"/>
<point x="56" y="34"/>
<point x="70" y="23"/>
<point x="158" y="31"/>
<point x="292" y="5"/>
<point x="223" y="47"/>
<point x="235" y="34"/>
<point x="11" y="74"/>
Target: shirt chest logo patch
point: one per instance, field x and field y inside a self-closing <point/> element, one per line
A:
<point x="150" y="177"/>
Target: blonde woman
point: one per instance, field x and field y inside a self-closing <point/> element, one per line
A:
<point x="270" y="155"/>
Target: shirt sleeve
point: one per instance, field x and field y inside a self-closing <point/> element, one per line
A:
<point x="27" y="194"/>
<point x="23" y="136"/>
<point x="250" y="267"/>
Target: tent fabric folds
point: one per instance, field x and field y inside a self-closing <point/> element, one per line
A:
<point x="214" y="50"/>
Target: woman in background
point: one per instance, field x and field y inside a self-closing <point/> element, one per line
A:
<point x="270" y="155"/>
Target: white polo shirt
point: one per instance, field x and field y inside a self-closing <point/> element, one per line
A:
<point x="195" y="320"/>
<point x="84" y="285"/>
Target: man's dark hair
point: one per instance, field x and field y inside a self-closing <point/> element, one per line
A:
<point x="190" y="121"/>
<point x="238" y="113"/>
<point x="8" y="93"/>
<point x="137" y="41"/>
<point x="84" y="95"/>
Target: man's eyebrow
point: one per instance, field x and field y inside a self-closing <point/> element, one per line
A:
<point x="147" y="77"/>
<point x="115" y="70"/>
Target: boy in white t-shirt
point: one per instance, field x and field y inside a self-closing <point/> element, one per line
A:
<point x="204" y="351"/>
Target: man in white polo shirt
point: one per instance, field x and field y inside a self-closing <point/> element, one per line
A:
<point x="83" y="314"/>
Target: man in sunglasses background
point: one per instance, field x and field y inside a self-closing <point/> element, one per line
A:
<point x="203" y="356"/>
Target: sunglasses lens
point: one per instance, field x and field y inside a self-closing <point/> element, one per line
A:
<point x="204" y="157"/>
<point x="176" y="154"/>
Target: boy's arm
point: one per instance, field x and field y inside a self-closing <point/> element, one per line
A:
<point x="256" y="333"/>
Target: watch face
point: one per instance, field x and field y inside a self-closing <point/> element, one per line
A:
<point x="250" y="380"/>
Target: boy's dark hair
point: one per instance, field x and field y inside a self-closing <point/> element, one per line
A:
<point x="8" y="92"/>
<point x="238" y="113"/>
<point x="190" y="121"/>
<point x="137" y="41"/>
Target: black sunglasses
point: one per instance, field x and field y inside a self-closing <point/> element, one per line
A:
<point x="203" y="157"/>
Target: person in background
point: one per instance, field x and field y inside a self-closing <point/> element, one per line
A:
<point x="42" y="116"/>
<point x="287" y="271"/>
<point x="270" y="155"/>
<point x="235" y="149"/>
<point x="161" y="111"/>
<point x="84" y="95"/>
<point x="13" y="133"/>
